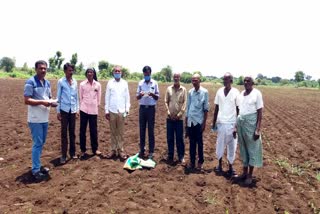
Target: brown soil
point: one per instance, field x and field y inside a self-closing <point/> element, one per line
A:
<point x="287" y="182"/>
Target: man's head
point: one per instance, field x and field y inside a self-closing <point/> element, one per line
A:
<point x="227" y="80"/>
<point x="196" y="81"/>
<point x="248" y="82"/>
<point x="68" y="69"/>
<point x="91" y="74"/>
<point x="147" y="73"/>
<point x="117" y="72"/>
<point x="176" y="78"/>
<point x="41" y="68"/>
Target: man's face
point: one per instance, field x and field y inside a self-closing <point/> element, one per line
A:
<point x="117" y="71"/>
<point x="41" y="70"/>
<point x="195" y="81"/>
<point x="90" y="75"/>
<point x="248" y="83"/>
<point x="147" y="73"/>
<point x="227" y="81"/>
<point x="68" y="72"/>
<point x="176" y="78"/>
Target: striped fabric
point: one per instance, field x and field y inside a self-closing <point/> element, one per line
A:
<point x="250" y="150"/>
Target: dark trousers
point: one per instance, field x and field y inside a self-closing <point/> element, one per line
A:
<point x="146" y="117"/>
<point x="195" y="136"/>
<point x="68" y="122"/>
<point x="92" y="119"/>
<point x="175" y="129"/>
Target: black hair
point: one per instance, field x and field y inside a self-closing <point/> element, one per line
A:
<point x="40" y="62"/>
<point x="68" y="65"/>
<point x="94" y="73"/>
<point x="146" y="69"/>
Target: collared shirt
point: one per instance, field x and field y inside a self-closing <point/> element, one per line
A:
<point x="176" y="101"/>
<point x="37" y="90"/>
<point x="151" y="86"/>
<point x="251" y="103"/>
<point x="227" y="105"/>
<point x="198" y="103"/>
<point x="117" y="99"/>
<point x="90" y="96"/>
<point x="67" y="95"/>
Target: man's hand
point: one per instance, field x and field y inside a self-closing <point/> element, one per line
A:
<point x="256" y="135"/>
<point x="203" y="127"/>
<point x="107" y="116"/>
<point x="187" y="132"/>
<point x="234" y="132"/>
<point x="59" y="116"/>
<point x="46" y="103"/>
<point x="77" y="115"/>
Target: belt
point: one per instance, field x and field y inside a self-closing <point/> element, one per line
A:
<point x="147" y="106"/>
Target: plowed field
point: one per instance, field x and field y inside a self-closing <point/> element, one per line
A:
<point x="287" y="181"/>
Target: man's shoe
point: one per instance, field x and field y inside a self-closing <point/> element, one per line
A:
<point x="200" y="166"/>
<point x="182" y="162"/>
<point x="111" y="155"/>
<point x="150" y="156"/>
<point x="74" y="157"/>
<point x="62" y="160"/>
<point x="44" y="170"/>
<point x="218" y="169"/>
<point x="97" y="152"/>
<point x="39" y="176"/>
<point x="141" y="155"/>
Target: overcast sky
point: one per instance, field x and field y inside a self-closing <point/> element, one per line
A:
<point x="272" y="37"/>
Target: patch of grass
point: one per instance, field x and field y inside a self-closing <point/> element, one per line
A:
<point x="212" y="199"/>
<point x="283" y="163"/>
<point x="318" y="176"/>
<point x="293" y="169"/>
<point x="314" y="209"/>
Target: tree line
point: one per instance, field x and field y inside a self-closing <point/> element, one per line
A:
<point x="105" y="68"/>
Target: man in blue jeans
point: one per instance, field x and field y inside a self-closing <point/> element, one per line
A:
<point x="37" y="95"/>
<point x="148" y="95"/>
<point x="175" y="101"/>
<point x="197" y="111"/>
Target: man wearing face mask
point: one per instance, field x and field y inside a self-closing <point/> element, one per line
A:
<point x="117" y="105"/>
<point x="148" y="95"/>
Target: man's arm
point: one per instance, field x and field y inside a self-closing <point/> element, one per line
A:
<point x="215" y="115"/>
<point x="259" y="119"/>
<point x="32" y="102"/>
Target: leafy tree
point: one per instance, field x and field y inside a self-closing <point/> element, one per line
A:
<point x="240" y="80"/>
<point x="7" y="63"/>
<point x="103" y="65"/>
<point x="275" y="79"/>
<point x="260" y="76"/>
<point x="159" y="76"/>
<point x="167" y="73"/>
<point x="55" y="62"/>
<point x="308" y="77"/>
<point x="74" y="59"/>
<point x="299" y="76"/>
<point x="80" y="68"/>
<point x="186" y="77"/>
<point x="319" y="82"/>
<point x="25" y="67"/>
<point x="136" y="75"/>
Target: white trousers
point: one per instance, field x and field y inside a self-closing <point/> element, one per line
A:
<point x="225" y="139"/>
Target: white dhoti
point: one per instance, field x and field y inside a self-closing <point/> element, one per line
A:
<point x="225" y="139"/>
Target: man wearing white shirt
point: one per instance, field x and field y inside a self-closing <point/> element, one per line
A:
<point x="224" y="121"/>
<point x="117" y="105"/>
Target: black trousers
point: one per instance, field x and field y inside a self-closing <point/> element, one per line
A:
<point x="68" y="123"/>
<point x="195" y="136"/>
<point x="146" y="117"/>
<point x="92" y="119"/>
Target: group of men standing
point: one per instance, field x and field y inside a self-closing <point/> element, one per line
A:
<point x="193" y="105"/>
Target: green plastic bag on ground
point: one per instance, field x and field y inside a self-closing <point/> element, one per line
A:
<point x="133" y="163"/>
